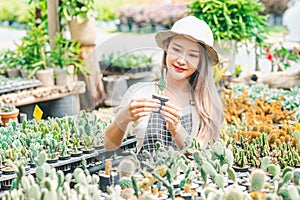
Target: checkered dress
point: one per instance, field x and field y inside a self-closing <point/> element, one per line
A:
<point x="157" y="131"/>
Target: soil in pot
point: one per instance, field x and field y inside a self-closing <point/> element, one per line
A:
<point x="8" y="170"/>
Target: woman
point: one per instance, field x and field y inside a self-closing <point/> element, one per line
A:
<point x="194" y="108"/>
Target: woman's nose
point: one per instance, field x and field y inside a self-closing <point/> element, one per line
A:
<point x="181" y="59"/>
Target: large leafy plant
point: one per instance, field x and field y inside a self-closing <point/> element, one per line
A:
<point x="237" y="20"/>
<point x="66" y="53"/>
<point x="79" y="10"/>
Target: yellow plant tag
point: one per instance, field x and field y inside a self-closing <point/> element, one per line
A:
<point x="298" y="127"/>
<point x="37" y="113"/>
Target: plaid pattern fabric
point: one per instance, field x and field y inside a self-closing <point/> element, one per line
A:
<point x="157" y="131"/>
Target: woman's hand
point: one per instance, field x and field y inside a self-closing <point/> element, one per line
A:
<point x="172" y="115"/>
<point x="138" y="108"/>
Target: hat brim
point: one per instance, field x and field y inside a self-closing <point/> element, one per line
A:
<point x="161" y="36"/>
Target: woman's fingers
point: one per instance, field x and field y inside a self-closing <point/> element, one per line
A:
<point x="141" y="107"/>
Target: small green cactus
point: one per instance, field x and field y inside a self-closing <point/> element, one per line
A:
<point x="264" y="163"/>
<point x="198" y="158"/>
<point x="229" y="157"/>
<point x="209" y="169"/>
<point x="41" y="159"/>
<point x="218" y="148"/>
<point x="125" y="182"/>
<point x="286" y="169"/>
<point x="296" y="177"/>
<point x="33" y="192"/>
<point x="219" y="180"/>
<point x="286" y="178"/>
<point x="231" y="174"/>
<point x="274" y="170"/>
<point x="49" y="195"/>
<point x="257" y="180"/>
<point x="40" y="173"/>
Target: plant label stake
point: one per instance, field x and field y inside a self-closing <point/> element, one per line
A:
<point x="37" y="113"/>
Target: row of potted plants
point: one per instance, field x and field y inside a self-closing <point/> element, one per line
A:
<point x="126" y="63"/>
<point x="60" y="138"/>
<point x="156" y="17"/>
<point x="194" y="173"/>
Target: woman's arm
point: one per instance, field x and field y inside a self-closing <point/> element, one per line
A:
<point x="115" y="132"/>
<point x="179" y="136"/>
<point x="136" y="109"/>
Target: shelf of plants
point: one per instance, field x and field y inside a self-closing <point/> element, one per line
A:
<point x="125" y="63"/>
<point x="257" y="158"/>
<point x="15" y="84"/>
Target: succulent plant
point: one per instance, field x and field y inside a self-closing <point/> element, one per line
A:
<point x="233" y="194"/>
<point x="125" y="182"/>
<point x="126" y="167"/>
<point x="257" y="180"/>
<point x="264" y="163"/>
<point x="274" y="170"/>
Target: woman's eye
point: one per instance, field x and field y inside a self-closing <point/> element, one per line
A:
<point x="193" y="56"/>
<point x="176" y="49"/>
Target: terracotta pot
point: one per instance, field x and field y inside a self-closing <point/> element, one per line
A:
<point x="46" y="76"/>
<point x="85" y="32"/>
<point x="5" y="117"/>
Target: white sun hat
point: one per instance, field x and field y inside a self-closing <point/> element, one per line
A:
<point x="195" y="29"/>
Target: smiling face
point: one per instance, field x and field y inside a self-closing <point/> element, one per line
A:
<point x="183" y="57"/>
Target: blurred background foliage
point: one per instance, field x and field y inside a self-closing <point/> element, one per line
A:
<point x="17" y="10"/>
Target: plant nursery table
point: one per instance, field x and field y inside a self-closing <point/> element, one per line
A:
<point x="56" y="101"/>
<point x="95" y="162"/>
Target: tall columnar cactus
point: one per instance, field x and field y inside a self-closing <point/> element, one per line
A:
<point x="257" y="180"/>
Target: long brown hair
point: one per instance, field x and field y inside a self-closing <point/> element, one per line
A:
<point x="207" y="100"/>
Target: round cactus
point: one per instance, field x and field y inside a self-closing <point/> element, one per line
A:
<point x="125" y="182"/>
<point x="126" y="167"/>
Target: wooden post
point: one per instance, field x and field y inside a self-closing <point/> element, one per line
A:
<point x="53" y="20"/>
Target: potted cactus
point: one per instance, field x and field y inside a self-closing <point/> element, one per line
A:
<point x="8" y="112"/>
<point x="161" y="86"/>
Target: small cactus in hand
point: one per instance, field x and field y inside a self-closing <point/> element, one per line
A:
<point x="257" y="180"/>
